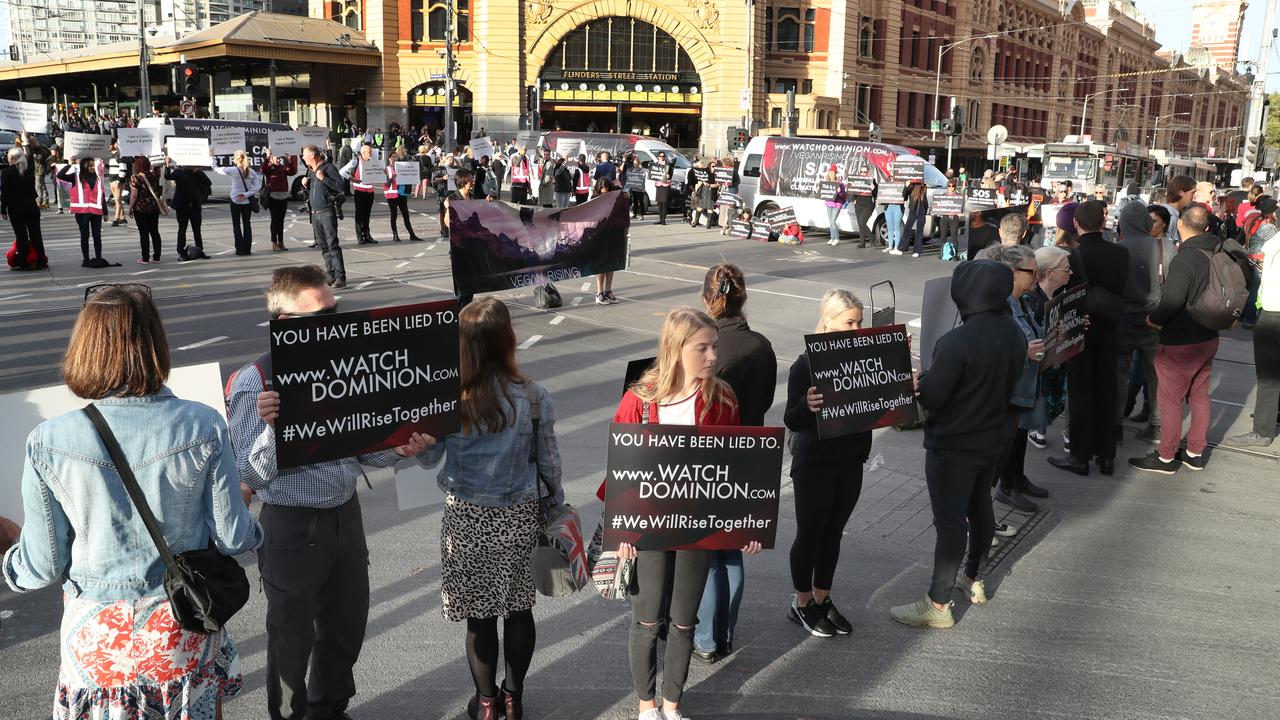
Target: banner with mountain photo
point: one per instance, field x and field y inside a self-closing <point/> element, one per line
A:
<point x="497" y="246"/>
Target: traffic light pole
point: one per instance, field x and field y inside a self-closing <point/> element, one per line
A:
<point x="449" y="140"/>
<point x="1253" y="123"/>
<point x="144" y="79"/>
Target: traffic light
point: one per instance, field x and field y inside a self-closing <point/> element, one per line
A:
<point x="954" y="125"/>
<point x="1251" y="150"/>
<point x="188" y="75"/>
<point x="530" y="98"/>
<point x="738" y="138"/>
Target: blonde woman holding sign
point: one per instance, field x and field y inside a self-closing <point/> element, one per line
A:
<point x="245" y="186"/>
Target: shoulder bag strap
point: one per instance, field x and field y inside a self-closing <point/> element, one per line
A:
<point x="131" y="485"/>
<point x="535" y="413"/>
<point x="1160" y="254"/>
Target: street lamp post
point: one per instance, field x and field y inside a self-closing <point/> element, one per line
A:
<point x="1214" y="134"/>
<point x="1155" y="132"/>
<point x="937" y="80"/>
<point x="1084" y="112"/>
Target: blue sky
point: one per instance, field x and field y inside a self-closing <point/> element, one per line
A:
<point x="1173" y="30"/>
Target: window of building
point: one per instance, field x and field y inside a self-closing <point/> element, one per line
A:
<point x="806" y="87"/>
<point x="768" y="28"/>
<point x="810" y="29"/>
<point x="866" y="36"/>
<point x="433" y="15"/>
<point x="784" y="85"/>
<point x="864" y="104"/>
<point x="788" y="30"/>
<point x="775" y="117"/>
<point x="620" y="44"/>
<point x="978" y="65"/>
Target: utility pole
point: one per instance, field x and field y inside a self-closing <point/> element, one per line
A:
<point x="1253" y="122"/>
<point x="449" y="140"/>
<point x="950" y="138"/>
<point x="144" y="78"/>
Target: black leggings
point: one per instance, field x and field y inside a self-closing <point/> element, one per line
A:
<point x="519" y="636"/>
<point x="148" y="229"/>
<point x="825" y="496"/>
<point x="674" y="580"/>
<point x="400" y="204"/>
<point x="279" y="207"/>
<point x="960" y="493"/>
<point x="90" y="223"/>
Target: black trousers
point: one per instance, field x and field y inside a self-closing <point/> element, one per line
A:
<point x="401" y="205"/>
<point x="90" y="224"/>
<point x="148" y="230"/>
<point x="191" y="216"/>
<point x="519" y="193"/>
<point x="825" y="496"/>
<point x="241" y="229"/>
<point x="26" y="231"/>
<point x="364" y="208"/>
<point x="1135" y="335"/>
<point x="674" y="581"/>
<point x="278" y="207"/>
<point x="862" y="209"/>
<point x="324" y="228"/>
<point x="315" y="573"/>
<point x="639" y="203"/>
<point x="662" y="196"/>
<point x="1091" y="394"/>
<point x="580" y="198"/>
<point x="960" y="493"/>
<point x="1015" y="460"/>
<point x="1266" y="360"/>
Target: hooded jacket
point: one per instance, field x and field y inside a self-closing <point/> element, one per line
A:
<point x="1186" y="280"/>
<point x="975" y="367"/>
<point x="1142" y="290"/>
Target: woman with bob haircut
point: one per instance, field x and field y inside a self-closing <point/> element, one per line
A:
<point x="681" y="388"/>
<point x="496" y="470"/>
<point x="123" y="654"/>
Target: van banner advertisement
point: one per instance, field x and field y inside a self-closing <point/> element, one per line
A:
<point x="685" y="487"/>
<point x="795" y="167"/>
<point x="496" y="246"/>
<point x="255" y="137"/>
<point x="890" y="193"/>
<point x="945" y="203"/>
<point x="907" y="169"/>
<point x="357" y="382"/>
<point x="780" y="218"/>
<point x="980" y="199"/>
<point x="1064" y="326"/>
<point x="865" y="379"/>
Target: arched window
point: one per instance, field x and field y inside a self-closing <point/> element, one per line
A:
<point x="866" y="37"/>
<point x="620" y="44"/>
<point x="348" y="13"/>
<point x="431" y="21"/>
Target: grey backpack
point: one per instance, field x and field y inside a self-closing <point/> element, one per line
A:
<point x="1222" y="303"/>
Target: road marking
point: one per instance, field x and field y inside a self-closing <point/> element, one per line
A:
<point x="364" y="285"/>
<point x="15" y="297"/>
<point x="406" y="262"/>
<point x="264" y="324"/>
<point x="224" y="252"/>
<point x="576" y="301"/>
<point x="586" y="286"/>
<point x="424" y="252"/>
<point x="557" y="320"/>
<point x="144" y="272"/>
<point x="522" y="346"/>
<point x="202" y="343"/>
<point x="1228" y="402"/>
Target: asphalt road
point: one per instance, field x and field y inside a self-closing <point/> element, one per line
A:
<point x="1131" y="597"/>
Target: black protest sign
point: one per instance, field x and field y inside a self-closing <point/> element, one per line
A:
<point x="701" y="175"/>
<point x="636" y="369"/>
<point x="761" y="230"/>
<point x="946" y="203"/>
<point x="659" y="173"/>
<point x="907" y="169"/>
<point x="729" y="198"/>
<point x="980" y="199"/>
<point x="357" y="382"/>
<point x="780" y="218"/>
<point x="635" y="181"/>
<point x="860" y="186"/>
<point x="864" y="377"/>
<point x="890" y="193"/>
<point x="1064" y="325"/>
<point x="496" y="246"/>
<point x="724" y="175"/>
<point x="687" y="487"/>
<point x="740" y="229"/>
<point x="828" y="190"/>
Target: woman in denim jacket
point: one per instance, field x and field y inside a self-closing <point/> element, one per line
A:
<point x="492" y="516"/>
<point x="123" y="655"/>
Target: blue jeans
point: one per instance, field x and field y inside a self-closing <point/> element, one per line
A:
<point x="893" y="224"/>
<point x="718" y="613"/>
<point x="833" y="221"/>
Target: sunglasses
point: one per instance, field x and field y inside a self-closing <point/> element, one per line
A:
<point x="92" y="290"/>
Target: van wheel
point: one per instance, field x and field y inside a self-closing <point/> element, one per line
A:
<point x="764" y="207"/>
<point x="881" y="230"/>
<point x="295" y="190"/>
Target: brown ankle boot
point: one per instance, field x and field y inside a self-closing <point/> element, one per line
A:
<point x="512" y="701"/>
<point x="483" y="708"/>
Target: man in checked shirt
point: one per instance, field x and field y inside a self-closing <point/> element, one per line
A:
<point x="314" y="561"/>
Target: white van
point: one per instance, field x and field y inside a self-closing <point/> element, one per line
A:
<point x="617" y="145"/>
<point x="778" y="172"/>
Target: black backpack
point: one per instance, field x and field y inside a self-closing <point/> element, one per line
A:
<point x="1223" y="300"/>
<point x="547" y="297"/>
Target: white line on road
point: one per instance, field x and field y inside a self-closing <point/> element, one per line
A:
<point x="522" y="346"/>
<point x="224" y="252"/>
<point x="15" y="297"/>
<point x="406" y="262"/>
<point x="202" y="343"/>
<point x="557" y="320"/>
<point x="424" y="252"/>
<point x="586" y="286"/>
<point x="1228" y="402"/>
<point x="144" y="272"/>
<point x="576" y="301"/>
<point x="364" y="285"/>
<point x="264" y="324"/>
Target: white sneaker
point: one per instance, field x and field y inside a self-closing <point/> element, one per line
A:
<point x="1037" y="439"/>
<point x="1005" y="530"/>
<point x="895" y="251"/>
<point x="915" y="254"/>
<point x="654" y="714"/>
<point x="601" y="299"/>
<point x="674" y="715"/>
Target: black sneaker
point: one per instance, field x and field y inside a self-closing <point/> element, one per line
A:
<point x="1153" y="463"/>
<point x="813" y="618"/>
<point x="1192" y="462"/>
<point x="1016" y="500"/>
<point x="837" y="620"/>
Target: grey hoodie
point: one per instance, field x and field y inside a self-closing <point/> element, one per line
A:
<point x="1142" y="290"/>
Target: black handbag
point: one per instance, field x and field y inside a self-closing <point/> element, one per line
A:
<point x="205" y="587"/>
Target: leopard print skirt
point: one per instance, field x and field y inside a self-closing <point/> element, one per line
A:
<point x="485" y="559"/>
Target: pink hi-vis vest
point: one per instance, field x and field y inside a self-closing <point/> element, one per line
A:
<point x="520" y="171"/>
<point x="85" y="199"/>
<point x="391" y="190"/>
<point x="583" y="185"/>
<point x="358" y="176"/>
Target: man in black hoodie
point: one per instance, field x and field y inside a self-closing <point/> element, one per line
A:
<point x="1091" y="375"/>
<point x="966" y="392"/>
<point x="1147" y="266"/>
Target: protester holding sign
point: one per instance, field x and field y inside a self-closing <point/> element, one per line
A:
<point x="146" y="207"/>
<point x="1053" y="270"/>
<point x="191" y="187"/>
<point x="827" y="477"/>
<point x="397" y="196"/>
<point x="87" y="192"/>
<point x="729" y="181"/>
<point x="521" y="176"/>
<point x="245" y="187"/>
<point x="362" y="189"/>
<point x="916" y="197"/>
<point x="497" y="472"/>
<point x="835" y="205"/>
<point x="318" y="590"/>
<point x="681" y="388"/>
<point x="121" y="645"/>
<point x="276" y="171"/>
<point x="639" y="197"/>
<point x="660" y="173"/>
<point x="966" y="391"/>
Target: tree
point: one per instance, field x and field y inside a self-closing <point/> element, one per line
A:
<point x="1273" y="121"/>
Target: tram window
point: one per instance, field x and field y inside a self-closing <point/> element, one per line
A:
<point x="751" y="166"/>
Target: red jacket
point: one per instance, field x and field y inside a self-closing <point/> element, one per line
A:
<point x="631" y="410"/>
<point x="278" y="175"/>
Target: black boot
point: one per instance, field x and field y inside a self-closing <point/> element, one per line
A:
<point x="395" y="234"/>
<point x="483" y="708"/>
<point x="512" y="702"/>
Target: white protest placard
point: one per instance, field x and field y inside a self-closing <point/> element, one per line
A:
<point x="569" y="147"/>
<point x="482" y="147"/>
<point x="355" y="143"/>
<point x="226" y="140"/>
<point x="373" y="172"/>
<point x="450" y="184"/>
<point x="17" y="115"/>
<point x="138" y="141"/>
<point x="24" y="410"/>
<point x="84" y="145"/>
<point x="313" y="135"/>
<point x="408" y="172"/>
<point x="284" y="142"/>
<point x="189" y="152"/>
